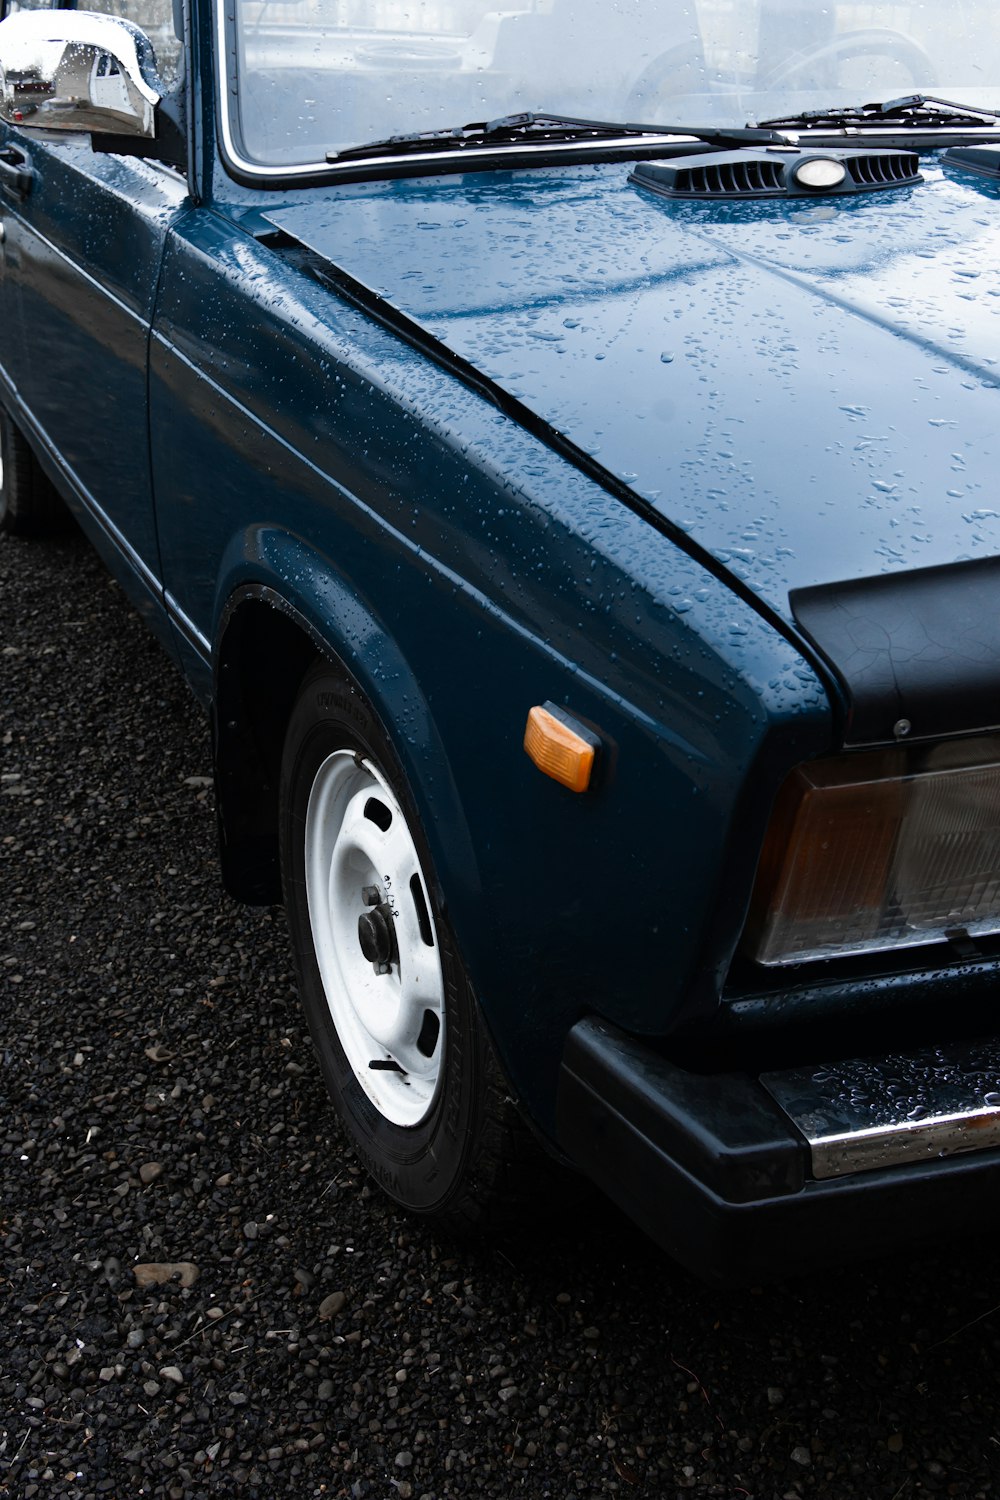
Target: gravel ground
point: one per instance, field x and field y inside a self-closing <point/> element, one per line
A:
<point x="200" y="1292"/>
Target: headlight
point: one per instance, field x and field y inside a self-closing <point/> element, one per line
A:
<point x="887" y="849"/>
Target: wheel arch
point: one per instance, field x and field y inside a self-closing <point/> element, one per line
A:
<point x="266" y="644"/>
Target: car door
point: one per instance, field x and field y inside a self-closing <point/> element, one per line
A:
<point x="12" y="338"/>
<point x="83" y="240"/>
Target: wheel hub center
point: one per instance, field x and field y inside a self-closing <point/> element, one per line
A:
<point x="376" y="933"/>
<point x="375" y="936"/>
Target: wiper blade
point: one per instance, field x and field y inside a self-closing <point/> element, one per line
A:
<point x="537" y="129"/>
<point x="921" y="111"/>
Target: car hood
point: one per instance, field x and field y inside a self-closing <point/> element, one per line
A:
<point x="806" y="389"/>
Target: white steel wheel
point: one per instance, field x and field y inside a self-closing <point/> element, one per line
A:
<point x="374" y="937"/>
<point x="434" y="1121"/>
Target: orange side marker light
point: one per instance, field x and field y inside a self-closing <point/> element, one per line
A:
<point x="560" y="747"/>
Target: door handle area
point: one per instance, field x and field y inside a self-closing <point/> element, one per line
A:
<point x="16" y="175"/>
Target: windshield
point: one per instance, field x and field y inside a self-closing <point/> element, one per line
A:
<point x="316" y="76"/>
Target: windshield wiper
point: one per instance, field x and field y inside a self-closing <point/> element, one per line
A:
<point x="537" y="129"/>
<point x="921" y="111"/>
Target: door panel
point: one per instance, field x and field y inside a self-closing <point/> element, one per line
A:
<point x="82" y="258"/>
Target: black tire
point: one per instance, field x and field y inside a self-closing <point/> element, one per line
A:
<point x="29" y="505"/>
<point x="470" y="1159"/>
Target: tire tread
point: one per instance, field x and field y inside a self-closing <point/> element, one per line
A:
<point x="31" y="504"/>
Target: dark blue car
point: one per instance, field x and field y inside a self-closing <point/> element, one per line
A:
<point x="559" y="444"/>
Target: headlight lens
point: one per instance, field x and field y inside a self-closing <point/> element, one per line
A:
<point x="888" y="849"/>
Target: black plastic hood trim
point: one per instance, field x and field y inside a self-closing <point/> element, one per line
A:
<point x="918" y="653"/>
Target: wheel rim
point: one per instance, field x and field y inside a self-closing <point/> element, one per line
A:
<point x="374" y="937"/>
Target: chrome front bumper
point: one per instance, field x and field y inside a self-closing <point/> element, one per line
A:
<point x="868" y="1113"/>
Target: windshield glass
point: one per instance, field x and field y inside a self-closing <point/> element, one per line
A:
<point x="320" y="75"/>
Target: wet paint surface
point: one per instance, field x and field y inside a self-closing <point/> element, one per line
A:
<point x="465" y="572"/>
<point x="806" y="389"/>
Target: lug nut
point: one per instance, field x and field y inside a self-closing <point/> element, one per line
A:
<point x="371" y="895"/>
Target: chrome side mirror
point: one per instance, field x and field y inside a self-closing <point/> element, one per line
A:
<point x="77" y="71"/>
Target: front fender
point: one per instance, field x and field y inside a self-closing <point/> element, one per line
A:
<point x="256" y="679"/>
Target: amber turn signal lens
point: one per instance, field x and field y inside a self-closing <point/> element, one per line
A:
<point x="559" y="748"/>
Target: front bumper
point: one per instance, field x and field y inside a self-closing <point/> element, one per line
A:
<point x="713" y="1168"/>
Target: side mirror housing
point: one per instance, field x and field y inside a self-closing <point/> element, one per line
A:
<point x="77" y="71"/>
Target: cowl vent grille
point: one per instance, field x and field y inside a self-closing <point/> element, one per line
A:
<point x="730" y="179"/>
<point x="776" y="174"/>
<point x="883" y="169"/>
